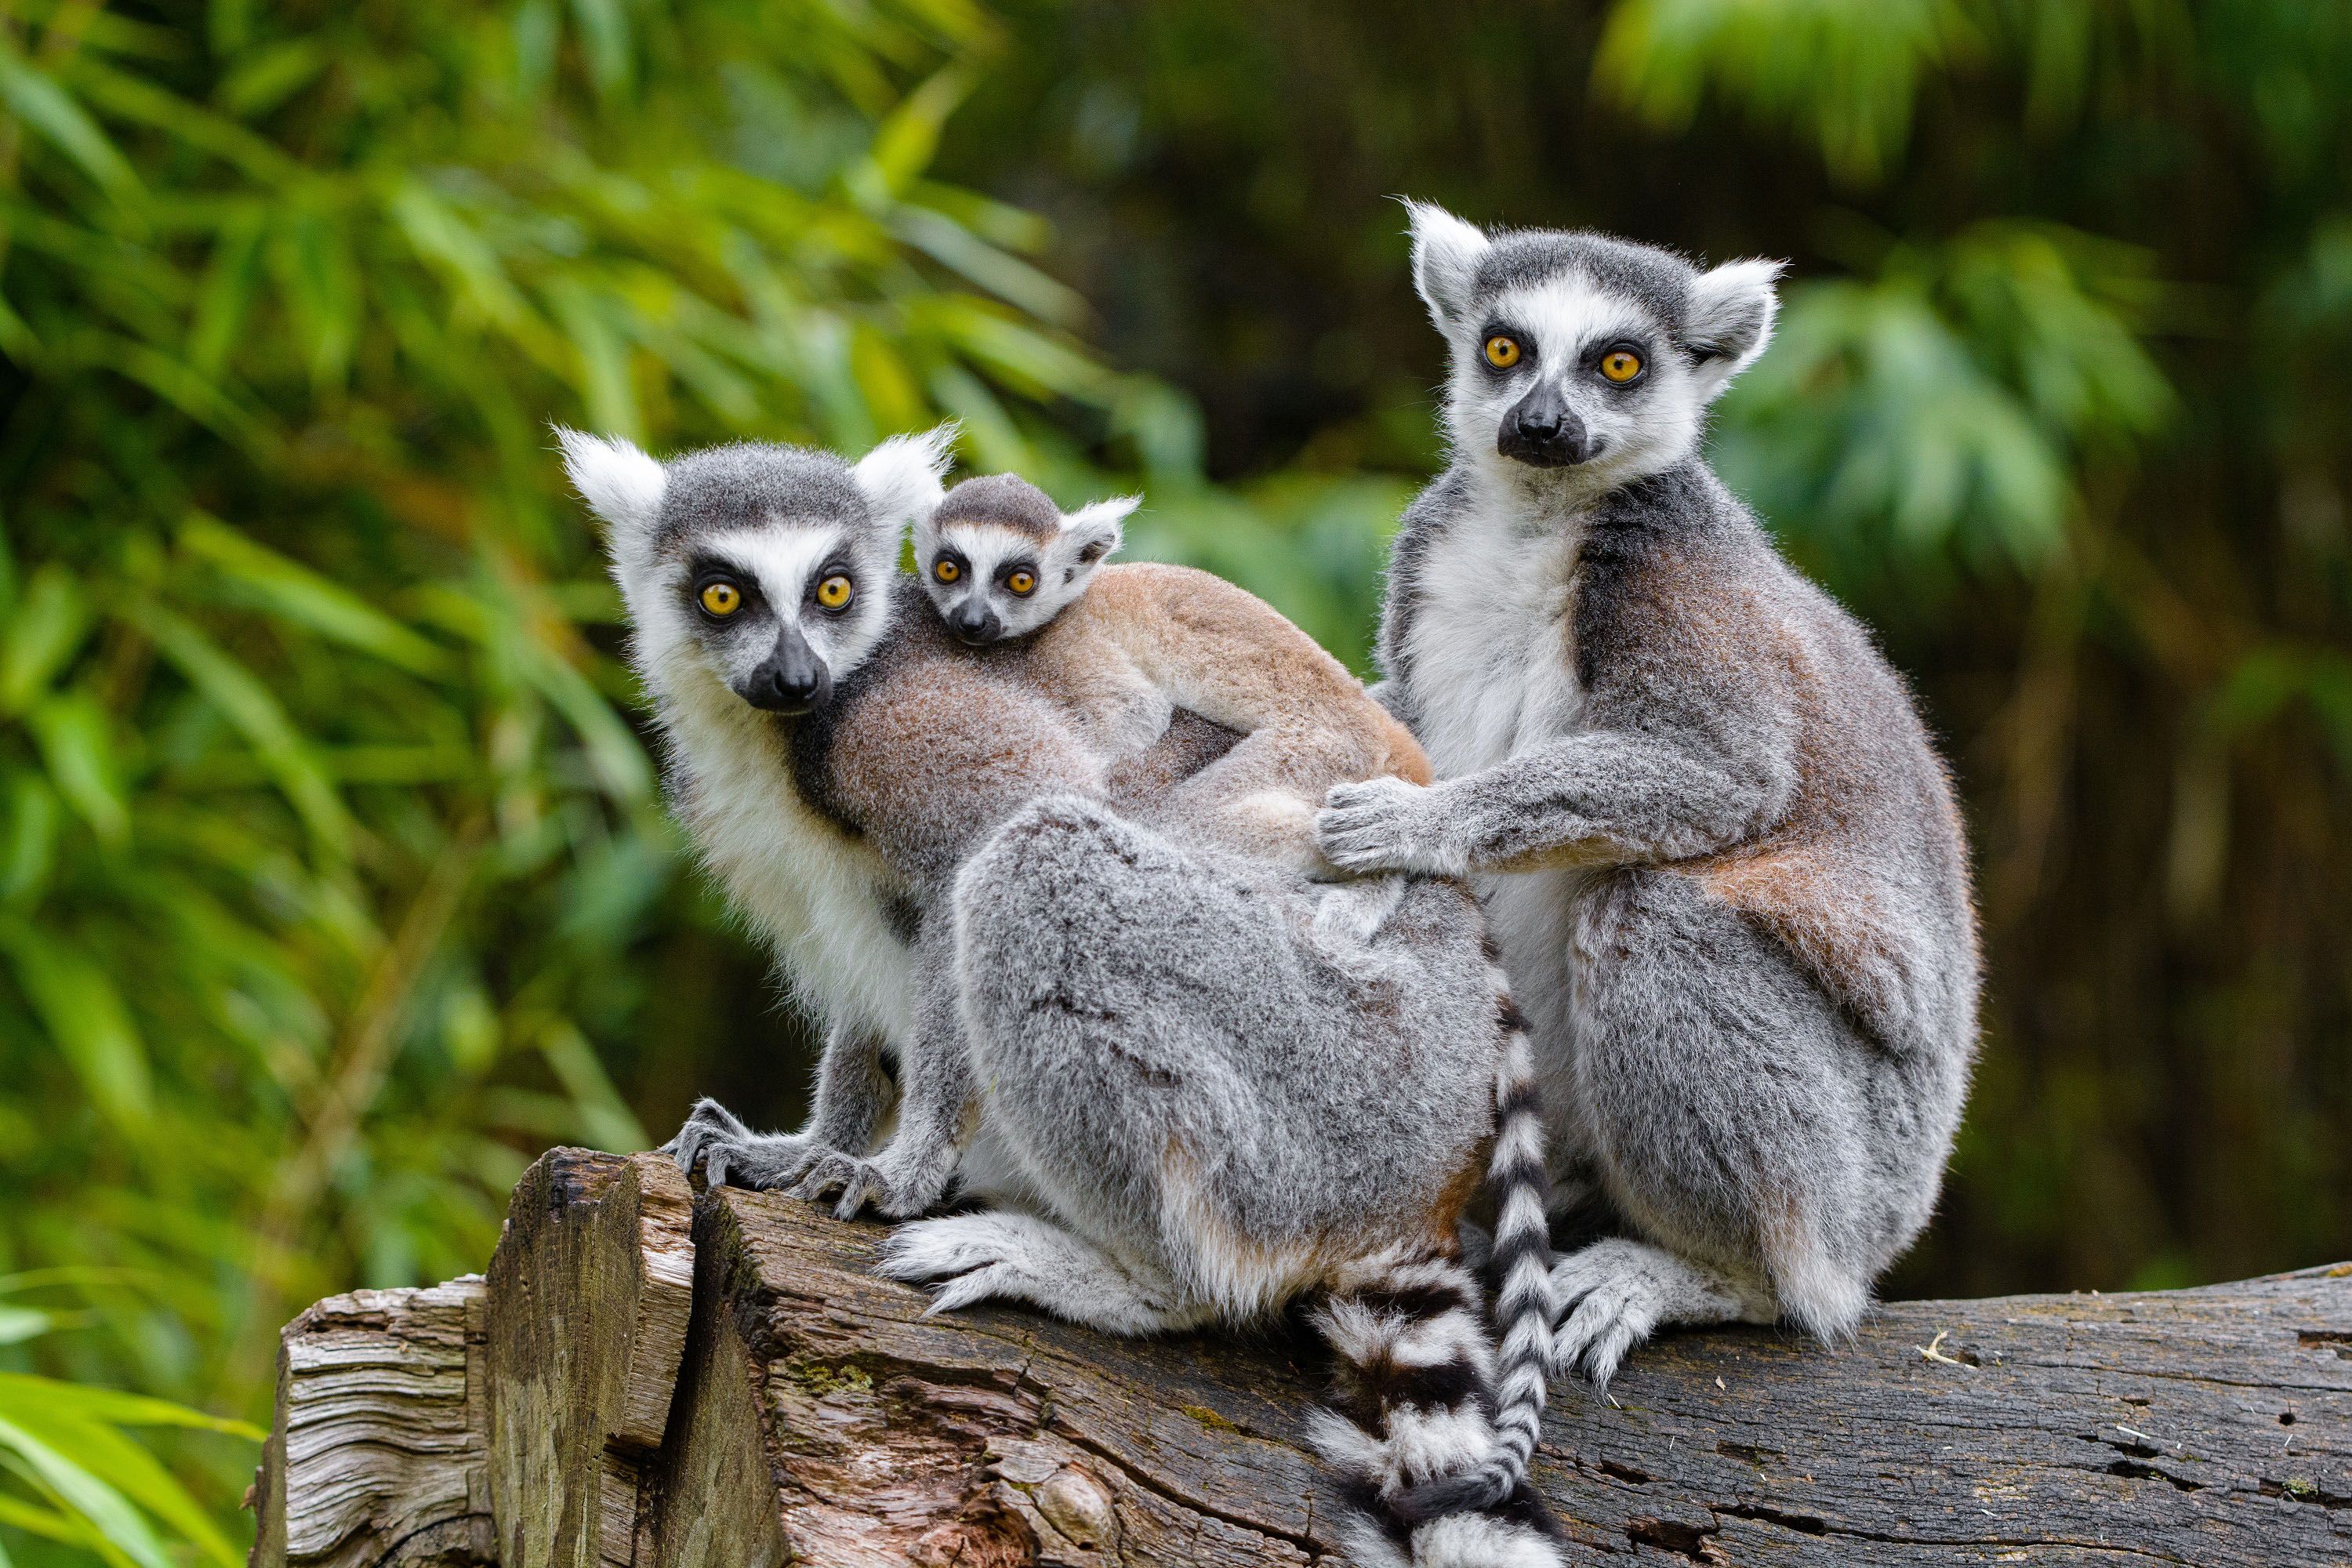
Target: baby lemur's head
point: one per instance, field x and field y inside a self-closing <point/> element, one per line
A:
<point x="1582" y="363"/>
<point x="765" y="568"/>
<point x="998" y="559"/>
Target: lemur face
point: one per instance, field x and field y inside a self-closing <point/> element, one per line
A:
<point x="999" y="560"/>
<point x="764" y="569"/>
<point x="1582" y="363"/>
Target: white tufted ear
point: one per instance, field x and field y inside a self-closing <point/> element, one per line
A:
<point x="900" y="478"/>
<point x="1730" y="320"/>
<point x="1093" y="530"/>
<point x="1446" y="256"/>
<point x="621" y="484"/>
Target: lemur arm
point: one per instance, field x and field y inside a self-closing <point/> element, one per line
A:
<point x="936" y="1110"/>
<point x="1603" y="797"/>
<point x="853" y="1091"/>
<point x="1687" y="745"/>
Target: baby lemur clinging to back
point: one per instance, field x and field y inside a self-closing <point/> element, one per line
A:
<point x="1125" y="648"/>
<point x="1716" y="845"/>
<point x="1193" y="1113"/>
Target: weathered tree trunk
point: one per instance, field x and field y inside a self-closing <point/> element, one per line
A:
<point x="585" y="1405"/>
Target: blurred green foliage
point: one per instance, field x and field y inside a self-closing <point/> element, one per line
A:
<point x="334" y="880"/>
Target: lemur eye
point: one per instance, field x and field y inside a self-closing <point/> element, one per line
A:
<point x="835" y="591"/>
<point x="1023" y="582"/>
<point x="1620" y="365"/>
<point x="946" y="571"/>
<point x="1502" y="350"/>
<point x="722" y="599"/>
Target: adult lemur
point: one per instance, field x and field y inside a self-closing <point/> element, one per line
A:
<point x="1714" y="843"/>
<point x="1191" y="1112"/>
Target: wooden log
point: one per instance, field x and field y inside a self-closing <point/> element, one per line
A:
<point x="379" y="1455"/>
<point x="820" y="1417"/>
<point x="589" y="1292"/>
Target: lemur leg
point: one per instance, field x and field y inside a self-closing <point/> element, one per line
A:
<point x="936" y="1109"/>
<point x="1018" y="1257"/>
<point x="853" y="1093"/>
<point x="1728" y="1114"/>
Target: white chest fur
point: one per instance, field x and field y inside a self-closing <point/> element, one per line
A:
<point x="816" y="894"/>
<point x="1491" y="647"/>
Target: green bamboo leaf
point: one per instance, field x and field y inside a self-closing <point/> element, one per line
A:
<point x="228" y="290"/>
<point x="113" y="1406"/>
<point x="19" y="1324"/>
<point x="603" y="43"/>
<point x="909" y="138"/>
<point x="29" y="849"/>
<point x="45" y="629"/>
<point x="84" y="1014"/>
<point x="117" y="1522"/>
<point x="57" y="1414"/>
<point x="51" y="112"/>
<point x="75" y="738"/>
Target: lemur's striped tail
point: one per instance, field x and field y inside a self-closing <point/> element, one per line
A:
<point x="1435" y="1425"/>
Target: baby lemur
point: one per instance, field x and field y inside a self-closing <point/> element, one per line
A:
<point x="1193" y="1112"/>
<point x="1713" y="840"/>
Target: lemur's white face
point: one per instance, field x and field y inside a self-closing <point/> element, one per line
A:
<point x="780" y="611"/>
<point x="991" y="582"/>
<point x="1578" y="364"/>
<point x="766" y="569"/>
<point x="1571" y="385"/>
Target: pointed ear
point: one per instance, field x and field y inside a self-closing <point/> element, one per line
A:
<point x="621" y="484"/>
<point x="900" y="478"/>
<point x="1093" y="531"/>
<point x="1446" y="256"/>
<point x="1730" y="320"/>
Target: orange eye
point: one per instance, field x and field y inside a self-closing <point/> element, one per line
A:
<point x="946" y="571"/>
<point x="835" y="592"/>
<point x="1023" y="582"/>
<point x="1620" y="365"/>
<point x="1502" y="351"/>
<point x="722" y="599"/>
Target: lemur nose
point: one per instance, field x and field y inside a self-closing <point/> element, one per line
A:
<point x="792" y="680"/>
<point x="1541" y="430"/>
<point x="975" y="623"/>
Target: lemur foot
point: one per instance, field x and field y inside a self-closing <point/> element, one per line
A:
<point x="862" y="1184"/>
<point x="1385" y="824"/>
<point x="727" y="1153"/>
<point x="1615" y="1293"/>
<point x="1016" y="1258"/>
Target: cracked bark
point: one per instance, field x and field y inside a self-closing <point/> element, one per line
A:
<point x="808" y="1411"/>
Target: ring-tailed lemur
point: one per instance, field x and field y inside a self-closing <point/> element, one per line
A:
<point x="1715" y="843"/>
<point x="1203" y="1115"/>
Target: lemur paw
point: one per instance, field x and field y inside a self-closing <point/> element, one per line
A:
<point x="861" y="1183"/>
<point x="1383" y="824"/>
<point x="726" y="1151"/>
<point x="1615" y="1293"/>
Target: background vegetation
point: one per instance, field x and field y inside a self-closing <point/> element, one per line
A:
<point x="334" y="882"/>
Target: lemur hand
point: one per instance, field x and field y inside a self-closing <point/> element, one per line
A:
<point x="725" y="1149"/>
<point x="867" y="1182"/>
<point x="1386" y="825"/>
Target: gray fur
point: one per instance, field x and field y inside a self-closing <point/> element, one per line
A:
<point x="1718" y="852"/>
